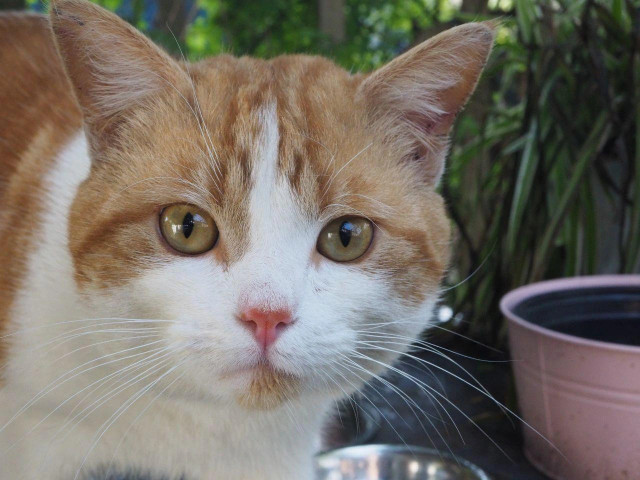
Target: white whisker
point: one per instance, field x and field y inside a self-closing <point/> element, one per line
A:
<point x="121" y="411"/>
<point x="76" y="394"/>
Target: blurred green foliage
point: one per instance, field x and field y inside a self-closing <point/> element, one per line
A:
<point x="377" y="30"/>
<point x="543" y="178"/>
<point x="544" y="175"/>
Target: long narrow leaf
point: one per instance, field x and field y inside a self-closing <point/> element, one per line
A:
<point x="633" y="243"/>
<point x="524" y="182"/>
<point x="590" y="231"/>
<point x="589" y="151"/>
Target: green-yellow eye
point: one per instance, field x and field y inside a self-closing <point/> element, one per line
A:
<point x="345" y="238"/>
<point x="188" y="229"/>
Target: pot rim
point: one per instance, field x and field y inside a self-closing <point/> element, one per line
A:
<point x="520" y="294"/>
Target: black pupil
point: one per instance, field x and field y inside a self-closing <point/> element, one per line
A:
<point x="346" y="230"/>
<point x="187" y="225"/>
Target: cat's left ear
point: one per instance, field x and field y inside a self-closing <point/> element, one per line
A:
<point x="112" y="66"/>
<point x="414" y="100"/>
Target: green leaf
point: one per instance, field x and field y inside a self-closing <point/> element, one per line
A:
<point x="588" y="152"/>
<point x="616" y="29"/>
<point x="525" y="16"/>
<point x="633" y="243"/>
<point x="524" y="182"/>
<point x="590" y="229"/>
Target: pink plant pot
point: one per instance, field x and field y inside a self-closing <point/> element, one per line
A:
<point x="575" y="343"/>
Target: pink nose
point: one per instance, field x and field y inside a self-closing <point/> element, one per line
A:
<point x="267" y="324"/>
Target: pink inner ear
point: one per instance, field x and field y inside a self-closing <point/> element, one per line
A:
<point x="435" y="124"/>
<point x="442" y="124"/>
<point x="434" y="129"/>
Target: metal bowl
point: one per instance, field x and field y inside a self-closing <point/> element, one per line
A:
<point x="393" y="462"/>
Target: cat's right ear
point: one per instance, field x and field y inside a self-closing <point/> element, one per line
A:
<point x="413" y="100"/>
<point x="111" y="65"/>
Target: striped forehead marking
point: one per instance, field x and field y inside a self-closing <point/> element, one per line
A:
<point x="277" y="224"/>
<point x="265" y="172"/>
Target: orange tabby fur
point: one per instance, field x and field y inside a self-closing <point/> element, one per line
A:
<point x="39" y="114"/>
<point x="312" y="95"/>
<point x="100" y="131"/>
<point x="358" y="166"/>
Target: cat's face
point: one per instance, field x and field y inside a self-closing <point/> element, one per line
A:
<point x="278" y="217"/>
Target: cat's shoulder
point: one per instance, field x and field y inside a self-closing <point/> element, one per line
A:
<point x="38" y="116"/>
<point x="16" y="21"/>
<point x="36" y="99"/>
<point x="27" y="53"/>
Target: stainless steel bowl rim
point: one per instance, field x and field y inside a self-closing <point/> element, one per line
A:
<point x="360" y="451"/>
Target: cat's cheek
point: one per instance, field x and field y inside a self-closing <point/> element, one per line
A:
<point x="186" y="295"/>
<point x="356" y="305"/>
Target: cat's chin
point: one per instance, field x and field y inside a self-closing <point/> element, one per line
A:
<point x="259" y="387"/>
<point x="267" y="388"/>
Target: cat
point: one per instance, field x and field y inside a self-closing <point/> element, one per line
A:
<point x="199" y="259"/>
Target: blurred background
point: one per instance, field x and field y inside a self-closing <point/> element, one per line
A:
<point x="543" y="177"/>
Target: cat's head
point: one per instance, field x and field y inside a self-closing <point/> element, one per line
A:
<point x="277" y="217"/>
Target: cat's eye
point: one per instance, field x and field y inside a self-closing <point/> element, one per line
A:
<point x="188" y="229"/>
<point x="345" y="238"/>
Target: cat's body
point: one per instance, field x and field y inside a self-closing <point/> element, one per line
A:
<point x="272" y="151"/>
